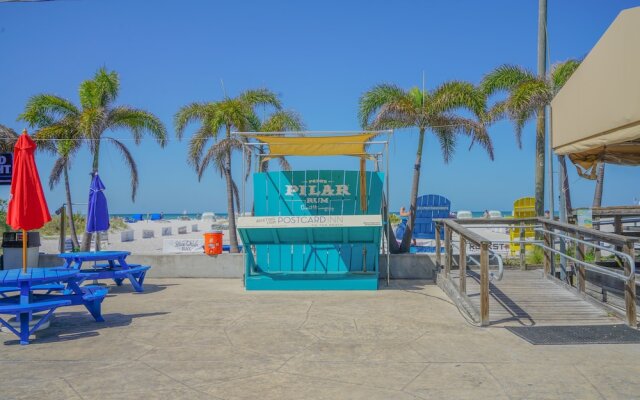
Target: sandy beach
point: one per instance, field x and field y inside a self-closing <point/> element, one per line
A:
<point x="142" y="245"/>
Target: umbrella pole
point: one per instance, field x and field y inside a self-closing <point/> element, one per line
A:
<point x="24" y="250"/>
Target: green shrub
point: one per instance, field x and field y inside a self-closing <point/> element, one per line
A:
<point x="394" y="219"/>
<point x="535" y="256"/>
<point x="52" y="228"/>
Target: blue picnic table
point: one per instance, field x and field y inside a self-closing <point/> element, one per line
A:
<point x="107" y="265"/>
<point x="29" y="300"/>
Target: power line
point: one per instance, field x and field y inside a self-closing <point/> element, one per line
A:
<point x="236" y="134"/>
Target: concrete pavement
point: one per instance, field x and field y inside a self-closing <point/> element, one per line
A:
<point x="209" y="339"/>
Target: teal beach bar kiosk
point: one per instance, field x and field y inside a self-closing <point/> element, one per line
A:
<point x="315" y="229"/>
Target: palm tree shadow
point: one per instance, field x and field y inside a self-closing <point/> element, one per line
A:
<point x="73" y="325"/>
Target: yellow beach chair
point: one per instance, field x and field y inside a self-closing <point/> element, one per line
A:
<point x="524" y="207"/>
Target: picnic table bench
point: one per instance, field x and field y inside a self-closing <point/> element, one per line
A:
<point x="107" y="265"/>
<point x="62" y="289"/>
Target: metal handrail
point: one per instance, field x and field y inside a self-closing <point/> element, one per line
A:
<point x="492" y="275"/>
<point x="584" y="236"/>
<point x="612" y="221"/>
<point x="593" y="267"/>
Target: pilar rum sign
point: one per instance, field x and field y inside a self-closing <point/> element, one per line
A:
<point x="317" y="194"/>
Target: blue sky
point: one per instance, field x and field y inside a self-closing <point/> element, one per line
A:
<point x="319" y="56"/>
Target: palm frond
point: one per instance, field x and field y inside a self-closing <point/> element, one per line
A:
<point x="60" y="138"/>
<point x="190" y="113"/>
<point x="138" y="122"/>
<point x="57" y="172"/>
<point x="130" y="163"/>
<point x="520" y="119"/>
<point x="91" y="123"/>
<point x="284" y="164"/>
<point x="375" y="98"/>
<point x="234" y="113"/>
<point x="283" y="121"/>
<point x="8" y="138"/>
<point x="561" y="72"/>
<point x="44" y="109"/>
<point x="505" y="78"/>
<point x="218" y="153"/>
<point x="253" y="122"/>
<point x="456" y="125"/>
<point x="198" y="143"/>
<point x="447" y="139"/>
<point x="529" y="95"/>
<point x="453" y="95"/>
<point x="499" y="110"/>
<point x="100" y="91"/>
<point x="260" y="97"/>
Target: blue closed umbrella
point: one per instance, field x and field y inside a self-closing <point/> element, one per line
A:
<point x="98" y="214"/>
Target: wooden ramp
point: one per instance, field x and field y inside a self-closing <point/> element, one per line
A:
<point x="525" y="298"/>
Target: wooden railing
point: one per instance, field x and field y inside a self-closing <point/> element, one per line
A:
<point x="551" y="231"/>
<point x="585" y="237"/>
<point x="483" y="243"/>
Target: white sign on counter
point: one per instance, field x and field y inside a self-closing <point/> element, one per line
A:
<point x="310" y="221"/>
<point x="183" y="246"/>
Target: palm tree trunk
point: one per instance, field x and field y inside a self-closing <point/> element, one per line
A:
<point x="394" y="248"/>
<point x="72" y="225"/>
<point x="540" y="125"/>
<point x="86" y="237"/>
<point x="597" y="195"/>
<point x="233" y="234"/>
<point x="565" y="189"/>
<point x="408" y="233"/>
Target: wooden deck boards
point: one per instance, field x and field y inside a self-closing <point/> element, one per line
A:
<point x="526" y="298"/>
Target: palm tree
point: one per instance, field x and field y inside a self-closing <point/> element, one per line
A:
<point x="8" y="138"/>
<point x="597" y="195"/>
<point x="67" y="143"/>
<point x="389" y="106"/>
<point x="96" y="115"/>
<point x="217" y="120"/>
<point x="527" y="96"/>
<point x="279" y="121"/>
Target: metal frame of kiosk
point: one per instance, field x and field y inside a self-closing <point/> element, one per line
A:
<point x="312" y="229"/>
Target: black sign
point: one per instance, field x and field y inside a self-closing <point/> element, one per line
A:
<point x="6" y="168"/>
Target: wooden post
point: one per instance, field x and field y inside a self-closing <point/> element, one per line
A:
<point x="596" y="251"/>
<point x="547" y="254"/>
<point x="484" y="284"/>
<point x="523" y="249"/>
<point x="447" y="251"/>
<point x="438" y="253"/>
<point x="630" y="288"/>
<point x="580" y="270"/>
<point x="463" y="264"/>
<point x="617" y="225"/>
<point x="617" y="229"/>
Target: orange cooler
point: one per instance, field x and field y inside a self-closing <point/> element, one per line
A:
<point x="213" y="243"/>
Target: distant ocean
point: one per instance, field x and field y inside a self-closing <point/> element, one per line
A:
<point x="169" y="215"/>
<point x="476" y="214"/>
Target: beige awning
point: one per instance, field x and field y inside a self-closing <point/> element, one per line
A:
<point x="596" y="115"/>
<point x="351" y="145"/>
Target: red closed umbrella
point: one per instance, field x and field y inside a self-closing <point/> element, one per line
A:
<point x="27" y="206"/>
